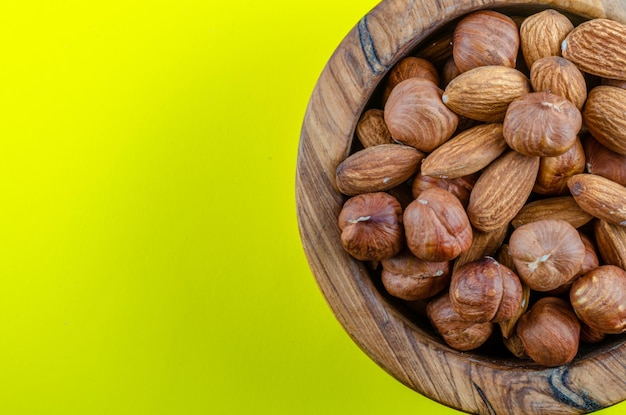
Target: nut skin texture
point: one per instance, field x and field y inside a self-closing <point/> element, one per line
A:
<point x="542" y="34"/>
<point x="604" y="162"/>
<point x="547" y="253"/>
<point x="485" y="291"/>
<point x="598" y="298"/>
<point x="600" y="197"/>
<point x="410" y="67"/>
<point x="371" y="226"/>
<point x="604" y="115"/>
<point x="484" y="93"/>
<point x="555" y="171"/>
<point x="377" y="168"/>
<point x="560" y="207"/>
<point x="371" y="129"/>
<point x="458" y="333"/>
<point x="436" y="226"/>
<point x="460" y="187"/>
<point x="466" y="153"/>
<point x="416" y="115"/>
<point x="550" y="332"/>
<point x="541" y="124"/>
<point x="483" y="244"/>
<point x="485" y="38"/>
<point x="502" y="190"/>
<point x="598" y="47"/>
<point x="407" y="277"/>
<point x="561" y="77"/>
<point x="611" y="242"/>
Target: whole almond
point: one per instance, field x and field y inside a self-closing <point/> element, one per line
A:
<point x="611" y="242"/>
<point x="502" y="190"/>
<point x="598" y="47"/>
<point x="484" y="38"/>
<point x="466" y="153"/>
<point x="377" y="168"/>
<point x="541" y="35"/>
<point x="604" y="115"/>
<point x="561" y="207"/>
<point x="371" y="129"/>
<point x="484" y="93"/>
<point x="561" y="77"/>
<point x="600" y="197"/>
<point x="416" y="115"/>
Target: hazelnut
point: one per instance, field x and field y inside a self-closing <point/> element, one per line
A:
<point x="371" y="226"/>
<point x="436" y="226"/>
<point x="550" y="332"/>
<point x="485" y="38"/>
<point x="599" y="299"/>
<point x="410" y="67"/>
<point x="416" y="115"/>
<point x="458" y="333"/>
<point x="485" y="291"/>
<point x="547" y="253"/>
<point x="604" y="162"/>
<point x="555" y="171"/>
<point x="371" y="129"/>
<point x="541" y="124"/>
<point x="461" y="187"/>
<point x="407" y="277"/>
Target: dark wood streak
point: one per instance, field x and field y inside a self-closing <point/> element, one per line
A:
<point x="559" y="384"/>
<point x="484" y="399"/>
<point x="369" y="49"/>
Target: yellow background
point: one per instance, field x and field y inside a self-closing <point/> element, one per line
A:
<point x="150" y="261"/>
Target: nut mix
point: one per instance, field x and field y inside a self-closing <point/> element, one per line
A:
<point x="488" y="184"/>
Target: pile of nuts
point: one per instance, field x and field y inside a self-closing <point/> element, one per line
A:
<point x="490" y="183"/>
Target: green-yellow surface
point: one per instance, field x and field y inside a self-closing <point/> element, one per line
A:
<point x="150" y="261"/>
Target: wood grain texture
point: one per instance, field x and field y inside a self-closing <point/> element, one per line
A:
<point x="404" y="347"/>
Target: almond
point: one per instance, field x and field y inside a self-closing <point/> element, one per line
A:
<point x="377" y="168"/>
<point x="598" y="47"/>
<point x="562" y="207"/>
<point x="604" y="115"/>
<point x="541" y="35"/>
<point x="484" y="93"/>
<point x="611" y="243"/>
<point x="501" y="190"/>
<point x="483" y="244"/>
<point x="466" y="153"/>
<point x="600" y="197"/>
<point x="561" y="77"/>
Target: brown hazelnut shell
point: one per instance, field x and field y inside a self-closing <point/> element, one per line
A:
<point x="458" y="333"/>
<point x="436" y="226"/>
<point x="371" y="226"/>
<point x="407" y="277"/>
<point x="550" y="332"/>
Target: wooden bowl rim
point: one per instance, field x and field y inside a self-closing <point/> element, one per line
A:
<point x="465" y="381"/>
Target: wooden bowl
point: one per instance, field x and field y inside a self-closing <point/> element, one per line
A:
<point x="398" y="337"/>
